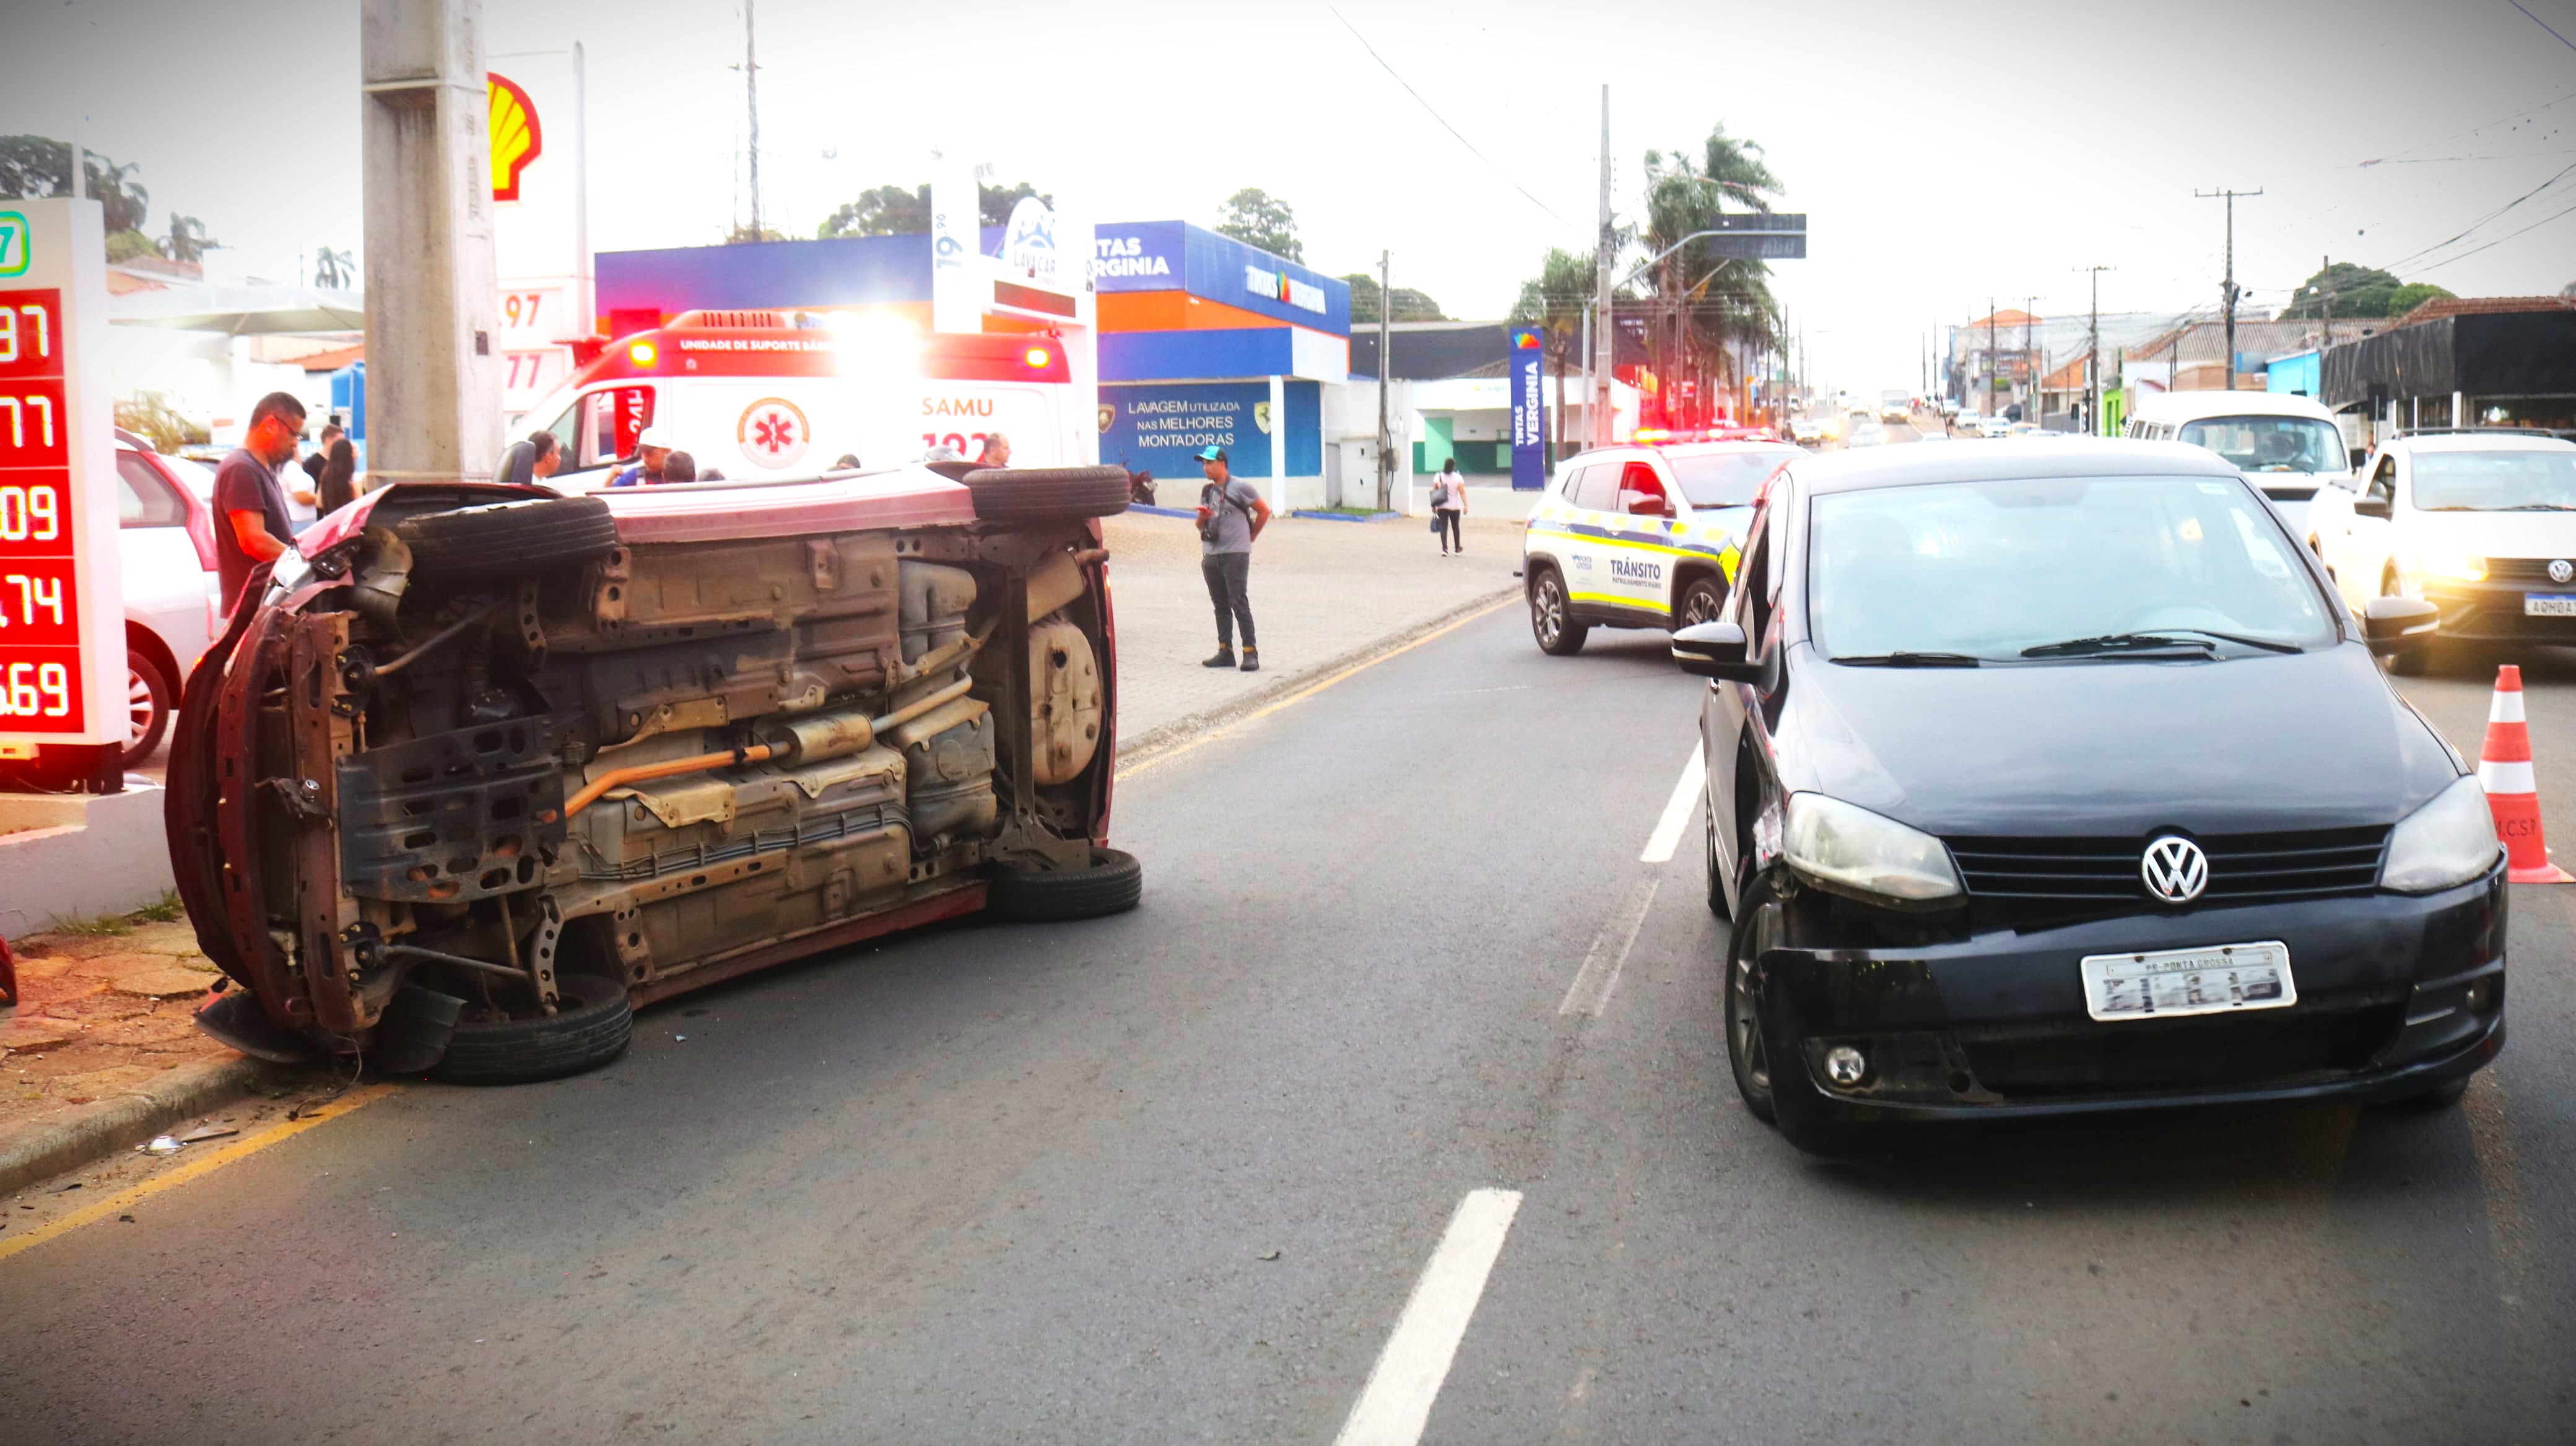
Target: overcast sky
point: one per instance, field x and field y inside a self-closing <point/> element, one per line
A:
<point x="1941" y="159"/>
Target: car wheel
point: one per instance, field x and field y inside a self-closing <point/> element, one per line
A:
<point x="1701" y="602"/>
<point x="1552" y="617"/>
<point x="1048" y="494"/>
<point x="591" y="1025"/>
<point x="1111" y="883"/>
<point x="507" y="539"/>
<point x="1748" y="1053"/>
<point x="149" y="698"/>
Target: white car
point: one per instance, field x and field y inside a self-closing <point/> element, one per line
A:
<point x="173" y="610"/>
<point x="1995" y="426"/>
<point x="2481" y="524"/>
<point x="1867" y="434"/>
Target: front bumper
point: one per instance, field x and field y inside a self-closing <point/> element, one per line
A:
<point x="2491" y="612"/>
<point x="2395" y="995"/>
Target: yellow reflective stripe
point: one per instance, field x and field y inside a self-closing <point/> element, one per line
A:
<point x="1640" y="604"/>
<point x="1720" y="557"/>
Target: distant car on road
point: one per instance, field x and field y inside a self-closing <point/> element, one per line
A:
<point x="1806" y="431"/>
<point x="2480" y="524"/>
<point x="1895" y="406"/>
<point x="2018" y="804"/>
<point x="1994" y="426"/>
<point x="173" y="597"/>
<point x="1868" y="434"/>
<point x="1640" y="537"/>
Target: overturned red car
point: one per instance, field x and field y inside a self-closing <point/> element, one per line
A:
<point x="483" y="768"/>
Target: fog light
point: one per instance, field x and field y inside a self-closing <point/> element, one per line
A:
<point x="1845" y="1065"/>
<point x="2480" y="997"/>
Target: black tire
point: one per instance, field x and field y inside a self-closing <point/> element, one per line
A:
<point x="1048" y="494"/>
<point x="151" y="698"/>
<point x="592" y="1028"/>
<point x="1552" y="615"/>
<point x="1748" y="1049"/>
<point x="1111" y="884"/>
<point x="1699" y="603"/>
<point x="507" y="539"/>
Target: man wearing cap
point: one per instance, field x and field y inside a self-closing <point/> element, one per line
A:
<point x="1231" y="514"/>
<point x="652" y="449"/>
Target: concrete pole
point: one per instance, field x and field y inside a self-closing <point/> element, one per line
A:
<point x="1385" y="382"/>
<point x="433" y="300"/>
<point x="1604" y="344"/>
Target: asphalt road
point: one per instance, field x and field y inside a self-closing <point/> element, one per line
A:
<point x="1175" y="1175"/>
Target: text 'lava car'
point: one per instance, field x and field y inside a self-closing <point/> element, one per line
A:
<point x="2056" y="778"/>
<point x="485" y="766"/>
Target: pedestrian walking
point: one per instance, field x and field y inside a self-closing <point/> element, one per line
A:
<point x="1231" y="515"/>
<point x="1449" y="507"/>
<point x="249" y="505"/>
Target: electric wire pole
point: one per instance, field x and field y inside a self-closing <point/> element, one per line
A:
<point x="1385" y="380"/>
<point x="2093" y="355"/>
<point x="751" y="97"/>
<point x="1605" y="347"/>
<point x="2227" y="291"/>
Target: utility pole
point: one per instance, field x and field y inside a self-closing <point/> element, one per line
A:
<point x="1989" y="399"/>
<point x="1385" y="381"/>
<point x="751" y="97"/>
<point x="2227" y="291"/>
<point x="2032" y="404"/>
<point x="2325" y="266"/>
<point x="1604" y="336"/>
<point x="2093" y="354"/>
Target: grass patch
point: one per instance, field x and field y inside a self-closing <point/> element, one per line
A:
<point x="164" y="910"/>
<point x="105" y="925"/>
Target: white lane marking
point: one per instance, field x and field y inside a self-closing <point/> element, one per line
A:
<point x="1677" y="811"/>
<point x="1396" y="1403"/>
<point x="1590" y="991"/>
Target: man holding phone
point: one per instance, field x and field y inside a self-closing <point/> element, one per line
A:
<point x="1231" y="515"/>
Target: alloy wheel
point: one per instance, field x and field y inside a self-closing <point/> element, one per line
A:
<point x="1547" y="611"/>
<point x="140" y="709"/>
<point x="1743" y="1019"/>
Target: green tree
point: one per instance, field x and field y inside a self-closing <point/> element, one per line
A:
<point x="1554" y="301"/>
<point x="1707" y="309"/>
<point x="894" y="211"/>
<point x="1410" y="305"/>
<point x="2414" y="294"/>
<point x="131" y="245"/>
<point x="188" y="240"/>
<point x="2356" y="291"/>
<point x="35" y="167"/>
<point x="332" y="268"/>
<point x="1256" y="218"/>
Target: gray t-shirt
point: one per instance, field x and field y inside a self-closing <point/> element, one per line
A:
<point x="244" y="484"/>
<point x="1232" y="529"/>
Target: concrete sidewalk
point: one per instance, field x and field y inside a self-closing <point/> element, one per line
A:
<point x="1322" y="593"/>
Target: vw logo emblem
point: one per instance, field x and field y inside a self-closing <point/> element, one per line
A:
<point x="2561" y="571"/>
<point x="2175" y="870"/>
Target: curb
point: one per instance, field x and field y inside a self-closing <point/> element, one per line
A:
<point x="77" y="1137"/>
<point x="1315" y="515"/>
<point x="1163" y="739"/>
<point x="1153" y="511"/>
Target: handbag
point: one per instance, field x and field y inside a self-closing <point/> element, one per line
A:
<point x="1435" y="523"/>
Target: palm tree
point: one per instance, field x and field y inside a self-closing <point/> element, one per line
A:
<point x="1701" y="327"/>
<point x="332" y="268"/>
<point x="188" y="239"/>
<point x="1553" y="301"/>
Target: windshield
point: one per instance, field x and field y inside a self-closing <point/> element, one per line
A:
<point x="2272" y="444"/>
<point x="2532" y="481"/>
<point x="1986" y="569"/>
<point x="1724" y="479"/>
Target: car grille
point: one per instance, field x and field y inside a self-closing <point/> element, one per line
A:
<point x="2272" y="1047"/>
<point x="2247" y="868"/>
<point x="2518" y="569"/>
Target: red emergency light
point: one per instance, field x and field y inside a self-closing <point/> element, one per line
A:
<point x="683" y="349"/>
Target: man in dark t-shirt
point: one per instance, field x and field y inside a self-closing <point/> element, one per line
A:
<point x="251" y="524"/>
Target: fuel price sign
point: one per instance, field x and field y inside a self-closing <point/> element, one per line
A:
<point x="62" y="632"/>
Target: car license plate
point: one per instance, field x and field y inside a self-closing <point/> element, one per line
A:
<point x="2548" y="605"/>
<point x="2169" y="983"/>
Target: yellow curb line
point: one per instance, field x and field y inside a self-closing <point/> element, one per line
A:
<point x="101" y="1209"/>
<point x="1302" y="695"/>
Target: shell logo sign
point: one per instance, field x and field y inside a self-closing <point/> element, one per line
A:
<point x="516" y="138"/>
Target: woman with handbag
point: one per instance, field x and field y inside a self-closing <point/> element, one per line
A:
<point x="1448" y="507"/>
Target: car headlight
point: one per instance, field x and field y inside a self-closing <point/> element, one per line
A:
<point x="2467" y="567"/>
<point x="1850" y="850"/>
<point x="2447" y="842"/>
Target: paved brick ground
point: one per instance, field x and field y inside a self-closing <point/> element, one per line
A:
<point x="99" y="1013"/>
<point x="1320" y="590"/>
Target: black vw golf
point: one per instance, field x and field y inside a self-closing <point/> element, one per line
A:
<point x="2053" y="777"/>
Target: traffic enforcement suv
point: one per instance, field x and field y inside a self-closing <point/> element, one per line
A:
<point x="1640" y="537"/>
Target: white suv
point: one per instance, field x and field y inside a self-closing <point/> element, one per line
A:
<point x="2480" y="523"/>
<point x="1640" y="537"/>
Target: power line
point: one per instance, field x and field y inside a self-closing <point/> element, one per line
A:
<point x="2543" y="24"/>
<point x="2500" y="240"/>
<point x="1435" y="115"/>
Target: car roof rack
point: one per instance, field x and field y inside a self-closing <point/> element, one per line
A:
<point x="2476" y="432"/>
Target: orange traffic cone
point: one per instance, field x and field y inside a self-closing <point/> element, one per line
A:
<point x="2504" y="771"/>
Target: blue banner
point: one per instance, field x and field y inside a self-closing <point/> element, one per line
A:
<point x="1160" y="428"/>
<point x="1529" y="411"/>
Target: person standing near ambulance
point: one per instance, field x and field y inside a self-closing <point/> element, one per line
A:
<point x="1231" y="515"/>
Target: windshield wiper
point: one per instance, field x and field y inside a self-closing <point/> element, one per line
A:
<point x="2538" y="507"/>
<point x="2137" y="642"/>
<point x="1911" y="660"/>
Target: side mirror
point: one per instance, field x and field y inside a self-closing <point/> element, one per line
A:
<point x="2372" y="504"/>
<point x="2388" y="624"/>
<point x="1647" y="504"/>
<point x="1716" y="650"/>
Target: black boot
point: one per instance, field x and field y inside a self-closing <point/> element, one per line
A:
<point x="1224" y="659"/>
<point x="1251" y="659"/>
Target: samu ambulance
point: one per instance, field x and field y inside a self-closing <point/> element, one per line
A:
<point x="765" y="395"/>
<point x="1640" y="536"/>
